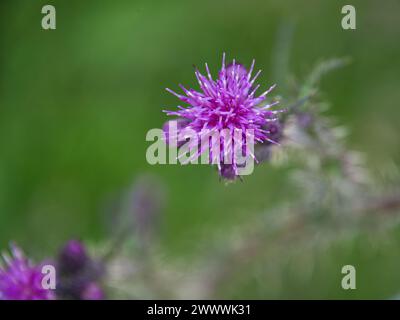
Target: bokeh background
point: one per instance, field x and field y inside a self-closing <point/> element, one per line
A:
<point x="77" y="102"/>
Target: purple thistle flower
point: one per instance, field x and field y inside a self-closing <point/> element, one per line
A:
<point x="78" y="273"/>
<point x="20" y="279"/>
<point x="92" y="291"/>
<point x="228" y="102"/>
<point x="72" y="257"/>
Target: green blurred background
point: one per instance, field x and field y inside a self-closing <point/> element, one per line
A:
<point x="77" y="102"/>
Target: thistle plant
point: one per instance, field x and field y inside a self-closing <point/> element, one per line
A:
<point x="334" y="196"/>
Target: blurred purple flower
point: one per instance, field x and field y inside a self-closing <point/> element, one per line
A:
<point x="20" y="279"/>
<point x="228" y="102"/>
<point x="92" y="291"/>
<point x="263" y="150"/>
<point x="78" y="273"/>
<point x="171" y="138"/>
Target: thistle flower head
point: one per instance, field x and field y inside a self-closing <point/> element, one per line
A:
<point x="20" y="279"/>
<point x="78" y="273"/>
<point x="228" y="102"/>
